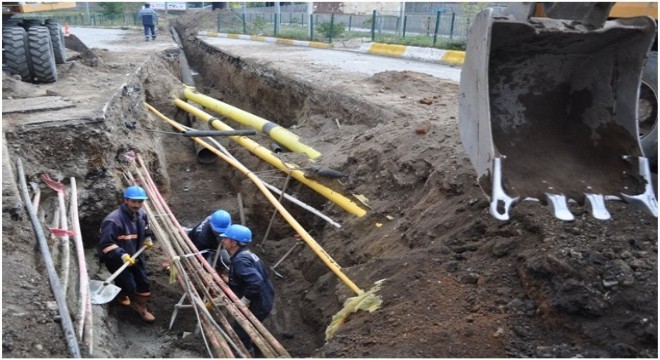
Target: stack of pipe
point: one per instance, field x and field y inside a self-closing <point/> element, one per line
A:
<point x="304" y="235"/>
<point x="210" y="297"/>
<point x="60" y="230"/>
<point x="60" y="297"/>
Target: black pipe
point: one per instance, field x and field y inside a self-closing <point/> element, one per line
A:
<point x="275" y="147"/>
<point x="199" y="133"/>
<point x="204" y="155"/>
<point x="60" y="297"/>
<point x="186" y="74"/>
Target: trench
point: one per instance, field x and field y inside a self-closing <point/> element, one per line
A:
<point x="307" y="293"/>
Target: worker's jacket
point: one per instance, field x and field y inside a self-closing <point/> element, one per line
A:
<point x="248" y="277"/>
<point x="123" y="232"/>
<point x="203" y="237"/>
<point x="148" y="16"/>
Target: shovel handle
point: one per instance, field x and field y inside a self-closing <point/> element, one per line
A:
<point x="123" y="267"/>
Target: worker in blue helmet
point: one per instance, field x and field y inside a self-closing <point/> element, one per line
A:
<point x="247" y="278"/>
<point x="205" y="236"/>
<point x="122" y="233"/>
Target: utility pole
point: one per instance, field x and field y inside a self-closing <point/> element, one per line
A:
<point x="87" y="12"/>
<point x="310" y="11"/>
<point x="402" y="14"/>
<point x="278" y="18"/>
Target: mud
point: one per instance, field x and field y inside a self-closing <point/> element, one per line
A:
<point x="458" y="282"/>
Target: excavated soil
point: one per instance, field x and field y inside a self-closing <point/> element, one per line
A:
<point x="458" y="283"/>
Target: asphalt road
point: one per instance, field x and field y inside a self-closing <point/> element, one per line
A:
<point x="344" y="60"/>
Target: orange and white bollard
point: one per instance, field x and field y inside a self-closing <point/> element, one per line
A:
<point x="66" y="29"/>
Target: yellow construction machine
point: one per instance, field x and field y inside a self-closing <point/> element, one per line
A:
<point x="32" y="46"/>
<point x="558" y="104"/>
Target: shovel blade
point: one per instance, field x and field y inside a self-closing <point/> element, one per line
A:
<point x="102" y="293"/>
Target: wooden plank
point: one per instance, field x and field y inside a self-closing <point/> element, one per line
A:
<point x="35" y="104"/>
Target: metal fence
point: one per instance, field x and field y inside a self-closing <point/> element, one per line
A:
<point x="442" y="29"/>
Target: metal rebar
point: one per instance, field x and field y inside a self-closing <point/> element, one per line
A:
<point x="272" y="218"/>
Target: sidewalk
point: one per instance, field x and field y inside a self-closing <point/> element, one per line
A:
<point x="446" y="57"/>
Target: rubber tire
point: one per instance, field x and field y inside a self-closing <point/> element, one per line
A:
<point x="649" y="141"/>
<point x="42" y="55"/>
<point x="57" y="38"/>
<point x="16" y="54"/>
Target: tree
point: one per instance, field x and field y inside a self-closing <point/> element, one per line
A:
<point x="112" y="8"/>
<point x="470" y="9"/>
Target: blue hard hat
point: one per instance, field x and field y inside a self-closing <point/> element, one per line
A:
<point x="135" y="192"/>
<point x="239" y="233"/>
<point x="220" y="221"/>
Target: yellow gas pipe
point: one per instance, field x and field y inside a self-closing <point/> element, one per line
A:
<point x="318" y="250"/>
<point x="281" y="135"/>
<point x="266" y="155"/>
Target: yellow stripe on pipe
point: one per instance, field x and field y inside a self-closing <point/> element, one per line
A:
<point x="276" y="132"/>
<point x="233" y="36"/>
<point x="267" y="155"/>
<point x="325" y="257"/>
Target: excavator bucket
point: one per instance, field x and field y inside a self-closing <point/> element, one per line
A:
<point x="548" y="107"/>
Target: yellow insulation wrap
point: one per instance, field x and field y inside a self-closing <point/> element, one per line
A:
<point x="318" y="250"/>
<point x="266" y="155"/>
<point x="276" y="132"/>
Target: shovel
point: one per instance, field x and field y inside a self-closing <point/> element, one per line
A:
<point x="102" y="292"/>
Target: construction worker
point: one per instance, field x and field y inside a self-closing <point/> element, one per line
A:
<point x="247" y="278"/>
<point x="123" y="232"/>
<point x="149" y="20"/>
<point x="205" y="236"/>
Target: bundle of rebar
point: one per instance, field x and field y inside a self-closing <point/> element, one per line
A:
<point x="210" y="297"/>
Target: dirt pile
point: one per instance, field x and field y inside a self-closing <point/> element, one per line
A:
<point x="458" y="283"/>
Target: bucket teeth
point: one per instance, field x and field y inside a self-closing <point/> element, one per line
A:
<point x="500" y="202"/>
<point x="597" y="204"/>
<point x="647" y="200"/>
<point x="559" y="207"/>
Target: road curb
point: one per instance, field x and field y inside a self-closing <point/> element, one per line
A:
<point x="314" y="44"/>
<point x="448" y="57"/>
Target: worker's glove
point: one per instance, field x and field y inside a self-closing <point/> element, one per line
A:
<point x="245" y="301"/>
<point x="127" y="259"/>
<point x="148" y="243"/>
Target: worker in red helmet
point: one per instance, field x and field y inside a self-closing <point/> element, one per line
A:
<point x="123" y="232"/>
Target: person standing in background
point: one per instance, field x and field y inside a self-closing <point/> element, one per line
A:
<point x="149" y="20"/>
